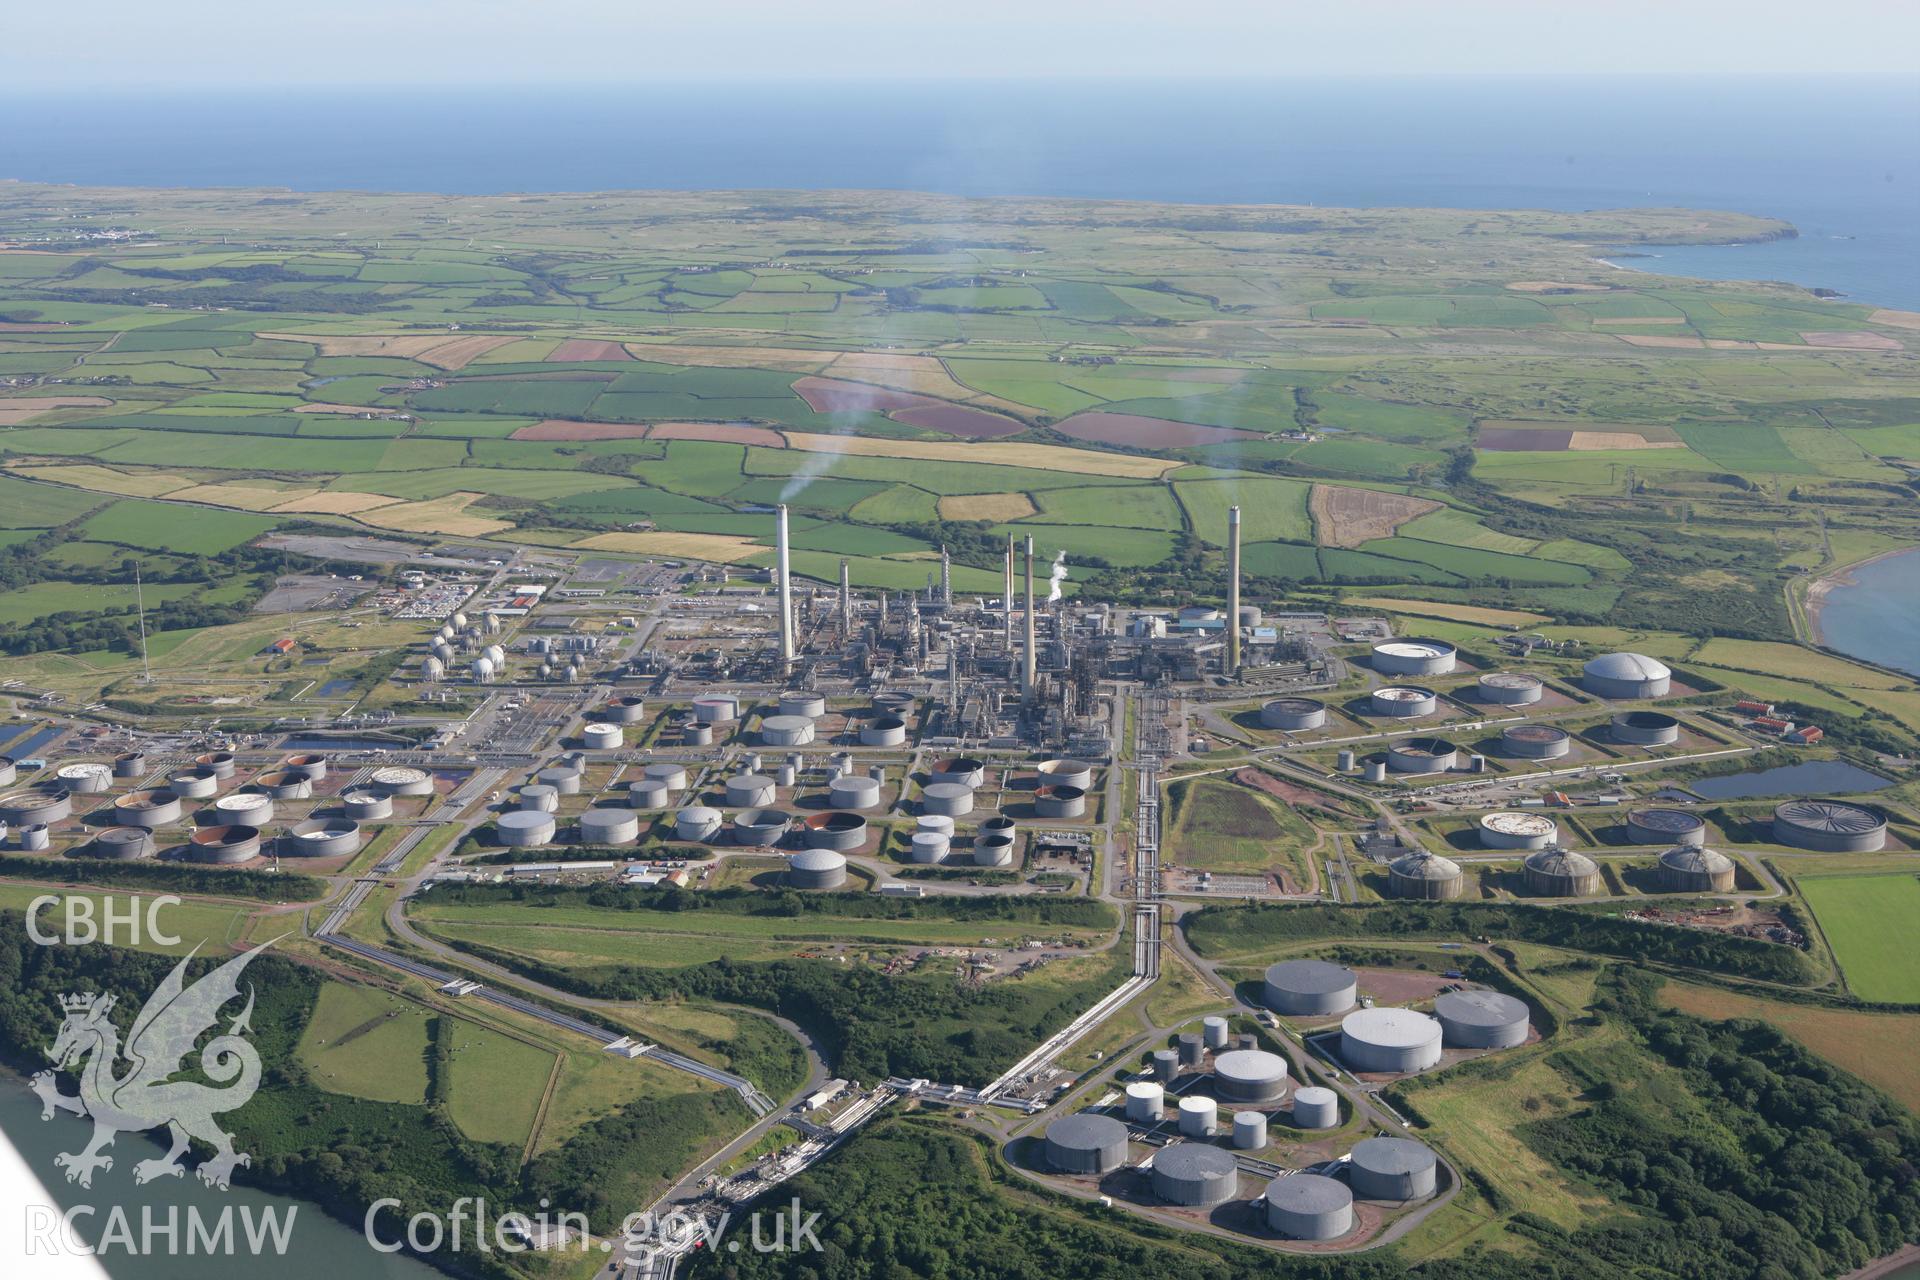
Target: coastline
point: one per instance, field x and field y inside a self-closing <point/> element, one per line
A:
<point x="1822" y="586"/>
<point x="1886" y="1266"/>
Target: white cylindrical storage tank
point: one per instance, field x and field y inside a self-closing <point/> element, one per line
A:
<point x="282" y="785"/>
<point x="1213" y="1031"/>
<point x="1392" y="1169"/>
<point x="1293" y="714"/>
<point x="1375" y="770"/>
<point x="750" y="790"/>
<point x="9" y="771"/>
<point x="840" y="832"/>
<point x="716" y="708"/>
<point x="751" y="763"/>
<point x="35" y="838"/>
<point x="244" y="809"/>
<point x="367" y="806"/>
<point x="538" y="797"/>
<point x="124" y="844"/>
<point x="1249" y="1130"/>
<point x="1310" y="988"/>
<point x="525" y="828"/>
<point x="400" y="780"/>
<point x="1510" y="688"/>
<point x="1422" y="755"/>
<point x="854" y="792"/>
<point x="1535" y="742"/>
<point x="1665" y="826"/>
<point x="1645" y="728"/>
<point x="883" y="731"/>
<point x="1343" y="760"/>
<point x="939" y="822"/>
<point x="992" y="851"/>
<point x="786" y="731"/>
<point x="761" y="828"/>
<point x="1195" y="1174"/>
<point x="1477" y="1019"/>
<point x="221" y="762"/>
<point x="965" y="770"/>
<point x="322" y="838"/>
<point x="224" y="844"/>
<point x="1515" y="830"/>
<point x="1421" y="875"/>
<point x="1250" y="1075"/>
<point x="948" y="799"/>
<point x="1146" y="1102"/>
<point x="1627" y="675"/>
<point x="85" y="778"/>
<point x="194" y="784"/>
<point x="1389" y="1040"/>
<point x="1309" y="1206"/>
<point x="624" y="710"/>
<point x="1198" y="1117"/>
<point x="1061" y="801"/>
<point x="36" y="806"/>
<point x="310" y="765"/>
<point x="1414" y="657"/>
<point x="1404" y="702"/>
<point x="609" y="826"/>
<point x="648" y="793"/>
<point x="928" y="847"/>
<point x="671" y="776"/>
<point x="603" y="737"/>
<point x="1086" y="1143"/>
<point x="126" y="765"/>
<point x="147" y="809"/>
<point x="1829" y="826"/>
<point x="563" y="778"/>
<point x="1315" y="1107"/>
<point x="785" y="775"/>
<point x="1066" y="773"/>
<point x="817" y="869"/>
<point x="696" y="822"/>
<point x="799" y="702"/>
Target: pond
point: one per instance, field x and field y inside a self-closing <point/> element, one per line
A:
<point x="1813" y="778"/>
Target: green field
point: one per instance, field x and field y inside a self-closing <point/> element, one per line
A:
<point x="366" y="1043"/>
<point x="1868" y="921"/>
<point x="495" y="1083"/>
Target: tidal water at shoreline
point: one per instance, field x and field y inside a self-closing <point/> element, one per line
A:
<point x="1874" y="612"/>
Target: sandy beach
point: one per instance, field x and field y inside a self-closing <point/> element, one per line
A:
<point x="1886" y="1266"/>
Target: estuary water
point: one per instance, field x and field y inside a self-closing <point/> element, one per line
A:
<point x="1874" y="612"/>
<point x="1838" y="157"/>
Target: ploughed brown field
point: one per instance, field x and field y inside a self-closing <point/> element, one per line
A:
<point x="730" y="432"/>
<point x="957" y="420"/>
<point x="1524" y="440"/>
<point x="1147" y="433"/>
<point x="574" y="349"/>
<point x="830" y="395"/>
<point x="1347" y="517"/>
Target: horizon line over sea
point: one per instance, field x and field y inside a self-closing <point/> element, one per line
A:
<point x="1838" y="157"/>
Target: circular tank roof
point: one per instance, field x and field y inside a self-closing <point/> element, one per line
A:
<point x="1478" y="1008"/>
<point x="1562" y="862"/>
<point x="1533" y="733"/>
<point x="1697" y="858"/>
<point x="1628" y="666"/>
<point x="1674" y="821"/>
<point x="817" y="860"/>
<point x="1310" y="977"/>
<point x="1085" y="1131"/>
<point x="1830" y="815"/>
<point x="1255" y="1065"/>
<point x="1393" y="1155"/>
<point x="1402" y="693"/>
<point x="1391" y="1028"/>
<point x="1194" y="1160"/>
<point x="1426" y="866"/>
<point x="1519" y="824"/>
<point x="1309" y="1193"/>
<point x="1414" y="648"/>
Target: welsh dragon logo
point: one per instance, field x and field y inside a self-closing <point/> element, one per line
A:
<point x="146" y="1096"/>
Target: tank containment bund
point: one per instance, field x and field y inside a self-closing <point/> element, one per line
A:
<point x="1476" y="1019"/>
<point x="1414" y="657"/>
<point x="1249" y="1130"/>
<point x="1393" y="1169"/>
<point x="1389" y="1040"/>
<point x="1627" y="675"/>
<point x="1195" y="1174"/>
<point x="1146" y="1102"/>
<point x="1309" y="988"/>
<point x="1688" y="868"/>
<point x="1250" y="1075"/>
<point x="1561" y="873"/>
<point x="1309" y="1206"/>
<point x="1424" y="876"/>
<point x="1293" y="714"/>
<point x="1665" y="826"/>
<point x="1315" y="1107"/>
<point x="696" y="822"/>
<point x="816" y="869"/>
<point x="1198" y="1117"/>
<point x="1829" y="826"/>
<point x="1086" y="1143"/>
<point x="1510" y="688"/>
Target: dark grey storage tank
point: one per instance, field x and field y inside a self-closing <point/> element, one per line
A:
<point x="1086" y="1143"/>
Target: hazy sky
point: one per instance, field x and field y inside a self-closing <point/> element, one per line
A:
<point x="396" y="44"/>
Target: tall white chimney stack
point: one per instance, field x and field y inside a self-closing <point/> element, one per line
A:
<point x="784" y="582"/>
<point x="1233" y="591"/>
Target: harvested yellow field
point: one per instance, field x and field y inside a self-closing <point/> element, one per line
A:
<point x="1345" y="517"/>
<point x="461" y="352"/>
<point x="1041" y="457"/>
<point x="241" y="497"/>
<point x="787" y="359"/>
<point x="337" y="503"/>
<point x="1898" y="319"/>
<point x="1555" y="286"/>
<point x="128" y="484"/>
<point x="1458" y="612"/>
<point x="926" y="375"/>
<point x="1590" y="441"/>
<point x="440" y="515"/>
<point x="723" y="548"/>
<point x="13" y="412"/>
<point x="997" y="507"/>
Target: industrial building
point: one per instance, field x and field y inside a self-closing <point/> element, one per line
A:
<point x="1627" y="675"/>
<point x="1385" y="1040"/>
<point x="1829" y="826"/>
<point x="1310" y="988"/>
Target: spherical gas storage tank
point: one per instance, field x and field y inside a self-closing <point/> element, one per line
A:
<point x="85" y="778"/>
<point x="1310" y="988"/>
<point x="802" y="702"/>
<point x="1392" y="1169"/>
<point x="129" y="764"/>
<point x="623" y="710"/>
<point x="563" y="778"/>
<point x="1425" y="876"/>
<point x="1195" y="1174"/>
<point x="603" y="737"/>
<point x="401" y="780"/>
<point x="965" y="770"/>
<point x="232" y="842"/>
<point x="310" y="765"/>
<point x="672" y="776"/>
<point x="883" y="731"/>
<point x="148" y="809"/>
<point x="1066" y="773"/>
<point x="926" y="848"/>
<point x="1665" y="826"/>
<point x="525" y="828"/>
<point x="1293" y="714"/>
<point x="366" y="806"/>
<point x="948" y="799"/>
<point x="1146" y="1102"/>
<point x="841" y="832"/>
<point x="194" y="784"/>
<point x="1403" y="702"/>
<point x="1389" y="1040"/>
<point x="1645" y="728"/>
<point x="1414" y="657"/>
<point x="1250" y="1075"/>
<point x="1510" y="688"/>
<point x="817" y="869"/>
<point x="222" y="763"/>
<point x="245" y="809"/>
<point x="750" y="790"/>
<point x="282" y="785"/>
<point x="609" y="827"/>
<point x="1060" y="801"/>
<point x="1534" y="742"/>
<point x="696" y="822"/>
<point x="761" y="827"/>
<point x="992" y="851"/>
<point x="1199" y="1117"/>
<point x="716" y="708"/>
<point x="322" y="838"/>
<point x="786" y="731"/>
<point x="1315" y="1107"/>
<point x="1249" y="1130"/>
<point x="123" y="844"/>
<point x="1422" y="755"/>
<point x="1689" y="868"/>
<point x="1562" y="873"/>
<point x="537" y="797"/>
<point x="1627" y="675"/>
<point x="36" y="806"/>
<point x="646" y="793"/>
<point x="1829" y="826"/>
<point x="1086" y="1143"/>
<point x="1515" y="830"/>
<point x="1309" y="1206"/>
<point x="854" y="791"/>
<point x="1477" y="1019"/>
